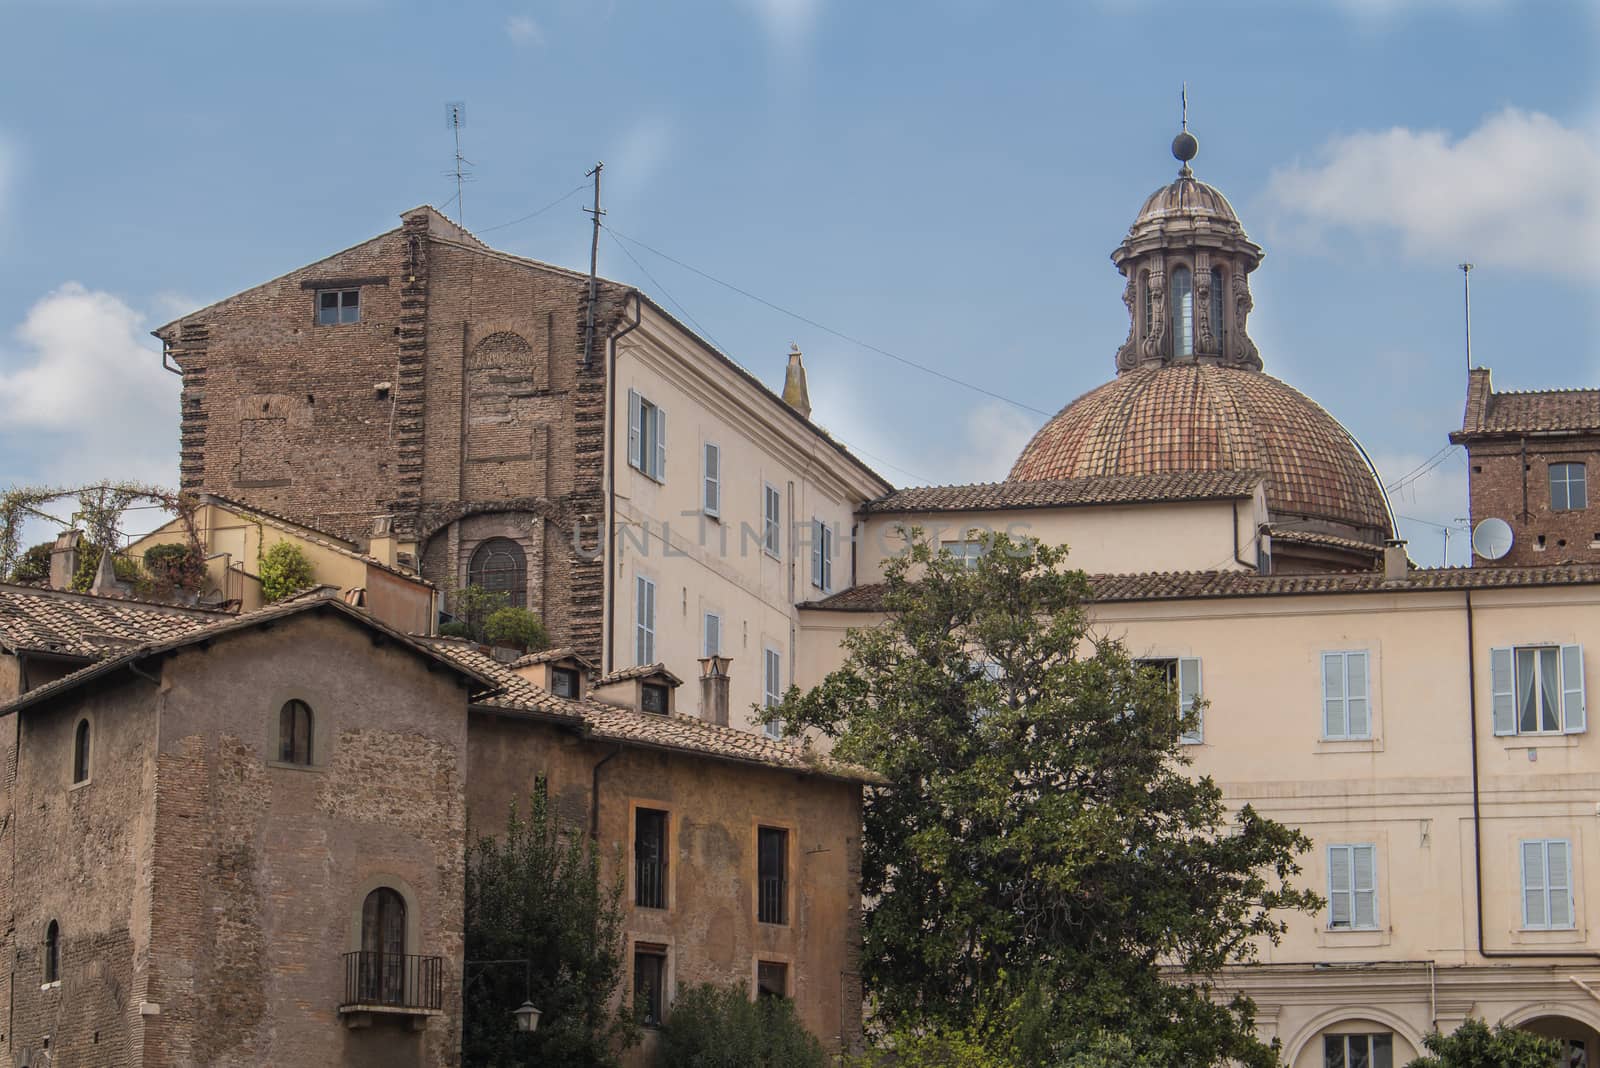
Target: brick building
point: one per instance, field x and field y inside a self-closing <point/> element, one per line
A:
<point x="240" y="839"/>
<point x="1532" y="456"/>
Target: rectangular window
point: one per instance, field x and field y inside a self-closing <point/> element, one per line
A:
<point x="821" y="555"/>
<point x="969" y="551"/>
<point x="1352" y="887"/>
<point x="1538" y="689"/>
<point x="771" y="520"/>
<point x="772" y="979"/>
<point x="654" y="698"/>
<point x="1183" y="677"/>
<point x="711" y="474"/>
<point x="1358" y="1051"/>
<point x="335" y="306"/>
<point x="772" y="687"/>
<point x="772" y="875"/>
<point x="713" y="635"/>
<point x="647" y="437"/>
<point x="1547" y="885"/>
<point x="1569" y="491"/>
<point x="564" y="682"/>
<point x="644" y="615"/>
<point x="650" y="858"/>
<point x="1346" y="706"/>
<point x="649" y="982"/>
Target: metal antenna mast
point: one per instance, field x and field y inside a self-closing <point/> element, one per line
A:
<point x="594" y="265"/>
<point x="1466" y="289"/>
<point x="456" y="113"/>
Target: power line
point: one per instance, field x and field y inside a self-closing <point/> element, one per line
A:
<point x="1423" y="468"/>
<point x="568" y="195"/>
<point x="830" y="330"/>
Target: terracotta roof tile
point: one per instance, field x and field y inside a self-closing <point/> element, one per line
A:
<point x="1067" y="492"/>
<point x="314" y="534"/>
<point x="1313" y="537"/>
<point x="639" y="671"/>
<point x="1534" y="411"/>
<point x="88" y="625"/>
<point x="546" y="656"/>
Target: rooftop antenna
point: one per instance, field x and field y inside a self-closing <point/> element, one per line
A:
<point x="456" y="116"/>
<point x="594" y="264"/>
<point x="1466" y="287"/>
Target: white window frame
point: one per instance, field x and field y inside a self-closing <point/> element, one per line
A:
<point x="706" y="621"/>
<point x="340" y="306"/>
<point x="968" y="550"/>
<point x="1182" y="667"/>
<point x="647" y="437"/>
<point x="1340" y="702"/>
<point x="711" y="479"/>
<point x="644" y="620"/>
<point x="771" y="521"/>
<point x="1567" y="482"/>
<point x="821" y="555"/>
<point x="1354" y="890"/>
<point x="771" y="686"/>
<point x="1506" y="690"/>
<point x="1545" y="884"/>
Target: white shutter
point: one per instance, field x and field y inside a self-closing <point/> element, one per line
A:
<point x="660" y="458"/>
<point x="827" y="557"/>
<point x="1534" y="913"/>
<point x="713" y="480"/>
<point x="635" y="418"/>
<point x="1502" y="686"/>
<point x="1188" y="690"/>
<point x="645" y="641"/>
<point x="1335" y="722"/>
<point x="818" y="554"/>
<point x="1558" y="874"/>
<point x="1574" y="716"/>
<point x="1363" y="885"/>
<point x="1357" y="699"/>
<point x="713" y="636"/>
<point x="1339" y="879"/>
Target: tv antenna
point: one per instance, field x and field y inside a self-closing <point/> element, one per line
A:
<point x="594" y="265"/>
<point x="456" y="116"/>
<point x="1466" y="292"/>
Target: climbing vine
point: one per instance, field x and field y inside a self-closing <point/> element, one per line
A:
<point x="98" y="513"/>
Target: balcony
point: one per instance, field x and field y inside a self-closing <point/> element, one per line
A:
<point x="391" y="985"/>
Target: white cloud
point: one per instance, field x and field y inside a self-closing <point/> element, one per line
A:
<point x="1428" y="502"/>
<point x="84" y="392"/>
<point x="524" y="31"/>
<point x="1518" y="191"/>
<point x="788" y="23"/>
<point x="994" y="435"/>
<point x="643" y="150"/>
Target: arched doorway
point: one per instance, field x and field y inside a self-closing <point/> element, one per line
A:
<point x="1580" y="1044"/>
<point x="383" y="947"/>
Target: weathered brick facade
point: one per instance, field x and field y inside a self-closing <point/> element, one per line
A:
<point x="457" y="404"/>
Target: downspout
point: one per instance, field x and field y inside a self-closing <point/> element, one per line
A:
<point x="610" y="503"/>
<point x="1524" y="459"/>
<point x="166" y="347"/>
<point x="1477" y="820"/>
<point x="1237" y="558"/>
<point x="594" y="796"/>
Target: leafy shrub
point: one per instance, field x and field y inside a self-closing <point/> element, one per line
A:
<point x="455" y="630"/>
<point x="1473" y="1045"/>
<point x="284" y="571"/>
<point x="33" y="565"/>
<point x="517" y="628"/>
<point x="720" y="1027"/>
<point x="175" y="566"/>
<point x="961" y="1049"/>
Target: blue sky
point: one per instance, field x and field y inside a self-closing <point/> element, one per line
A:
<point x="944" y="180"/>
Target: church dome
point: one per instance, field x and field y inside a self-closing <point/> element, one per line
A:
<point x="1187" y="198"/>
<point x="1193" y="417"/>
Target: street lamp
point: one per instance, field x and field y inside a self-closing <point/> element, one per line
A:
<point x="527" y="1017"/>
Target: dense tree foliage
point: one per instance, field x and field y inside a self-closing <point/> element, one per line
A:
<point x="516" y="628"/>
<point x="1473" y="1045"/>
<point x="720" y="1027"/>
<point x="536" y="894"/>
<point x="1042" y="862"/>
<point x="33" y="565"/>
<point x="285" y="571"/>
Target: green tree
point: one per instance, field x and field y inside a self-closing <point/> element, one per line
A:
<point x="516" y="628"/>
<point x="284" y="571"/>
<point x="1041" y="840"/>
<point x="537" y="895"/>
<point x="720" y="1027"/>
<point x="473" y="605"/>
<point x="33" y="566"/>
<point x="1473" y="1045"/>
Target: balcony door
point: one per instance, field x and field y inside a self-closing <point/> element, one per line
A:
<point x="383" y="947"/>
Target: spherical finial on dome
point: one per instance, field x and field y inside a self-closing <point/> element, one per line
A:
<point x="1185" y="147"/>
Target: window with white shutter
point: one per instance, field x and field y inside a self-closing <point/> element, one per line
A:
<point x="644" y="615"/>
<point x="647" y="437"/>
<point x="772" y="687"/>
<point x="821" y="555"/>
<point x="1183" y="676"/>
<point x="771" y="520"/>
<point x="1537" y="689"/>
<point x="711" y="480"/>
<point x="713" y="635"/>
<point x="1346" y="703"/>
<point x="1352" y="887"/>
<point x="1547" y="884"/>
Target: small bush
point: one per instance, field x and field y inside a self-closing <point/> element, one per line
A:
<point x="1473" y="1045"/>
<point x="517" y="628"/>
<point x="175" y="566"/>
<point x="33" y="565"/>
<point x="455" y="630"/>
<point x="720" y="1027"/>
<point x="284" y="571"/>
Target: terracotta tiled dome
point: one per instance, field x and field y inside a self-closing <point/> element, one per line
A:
<point x="1206" y="417"/>
<point x="1187" y="198"/>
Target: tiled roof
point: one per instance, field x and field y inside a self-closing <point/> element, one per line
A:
<point x="548" y="655"/>
<point x="1199" y="585"/>
<point x="87" y="625"/>
<point x="686" y="734"/>
<point x="640" y="671"/>
<point x="1313" y="537"/>
<point x="1534" y="411"/>
<point x="316" y="535"/>
<point x="1192" y="417"/>
<point x="1067" y="492"/>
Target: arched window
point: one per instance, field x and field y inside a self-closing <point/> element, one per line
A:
<point x="383" y="947"/>
<point x="80" y="753"/>
<point x="52" y="952"/>
<point x="1218" y="329"/>
<point x="294" y="733"/>
<point x="500" y="564"/>
<point x="1182" y="312"/>
<point x="1149" y="311"/>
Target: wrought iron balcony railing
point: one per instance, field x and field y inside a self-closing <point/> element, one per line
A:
<point x="393" y="981"/>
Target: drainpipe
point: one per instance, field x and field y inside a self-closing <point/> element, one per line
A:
<point x="594" y="796"/>
<point x="609" y="504"/>
<point x="1237" y="558"/>
<point x="1477" y="819"/>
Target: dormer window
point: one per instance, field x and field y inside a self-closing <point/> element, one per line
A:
<point x="653" y="698"/>
<point x="336" y="306"/>
<point x="1182" y="312"/>
<point x="564" y="682"/>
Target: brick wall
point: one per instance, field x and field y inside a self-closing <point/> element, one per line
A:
<point x="1510" y="479"/>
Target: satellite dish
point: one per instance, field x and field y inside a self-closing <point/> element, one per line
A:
<point x="1491" y="539"/>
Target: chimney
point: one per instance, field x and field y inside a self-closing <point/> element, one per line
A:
<point x="382" y="544"/>
<point x="795" y="394"/>
<point x="1396" y="565"/>
<point x="714" y="689"/>
<point x="105" y="576"/>
<point x="64" y="559"/>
